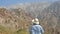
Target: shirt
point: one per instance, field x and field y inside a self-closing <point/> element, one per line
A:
<point x="36" y="29"/>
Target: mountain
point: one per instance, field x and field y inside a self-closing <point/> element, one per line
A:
<point x="15" y="19"/>
<point x="19" y="16"/>
<point x="51" y="18"/>
<point x="32" y="9"/>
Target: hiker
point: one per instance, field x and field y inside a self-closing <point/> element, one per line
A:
<point x="36" y="28"/>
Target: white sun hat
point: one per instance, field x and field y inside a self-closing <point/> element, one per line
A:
<point x="36" y="21"/>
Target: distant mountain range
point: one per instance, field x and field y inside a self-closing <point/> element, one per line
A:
<point x="33" y="8"/>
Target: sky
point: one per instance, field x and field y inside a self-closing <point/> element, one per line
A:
<point x="10" y="2"/>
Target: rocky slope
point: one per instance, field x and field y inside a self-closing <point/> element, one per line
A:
<point x="15" y="19"/>
<point x="50" y="18"/>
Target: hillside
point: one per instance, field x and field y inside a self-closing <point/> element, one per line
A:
<point x="15" y="19"/>
<point x="51" y="18"/>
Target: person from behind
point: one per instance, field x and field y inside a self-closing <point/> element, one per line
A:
<point x="36" y="28"/>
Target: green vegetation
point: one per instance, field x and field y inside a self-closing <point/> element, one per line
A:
<point x="4" y="30"/>
<point x="20" y="31"/>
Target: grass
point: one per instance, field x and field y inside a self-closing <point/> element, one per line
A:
<point x="4" y="30"/>
<point x="20" y="31"/>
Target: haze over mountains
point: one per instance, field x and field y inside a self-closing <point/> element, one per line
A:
<point x="31" y="7"/>
<point x="19" y="16"/>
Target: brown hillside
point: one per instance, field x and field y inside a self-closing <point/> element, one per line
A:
<point x="15" y="19"/>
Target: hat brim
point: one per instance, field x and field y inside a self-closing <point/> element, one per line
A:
<point x="36" y="22"/>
